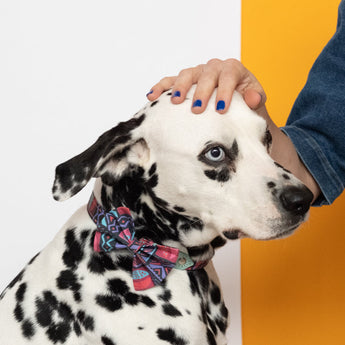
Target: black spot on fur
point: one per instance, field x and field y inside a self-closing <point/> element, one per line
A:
<point x="165" y="296"/>
<point x="211" y="174"/>
<point x="210" y="338"/>
<point x="104" y="200"/>
<point x="232" y="234"/>
<point x="224" y="311"/>
<point x="202" y="279"/>
<point x="267" y="139"/>
<point x="222" y="175"/>
<point x="271" y="184"/>
<point x="107" y="341"/>
<point x="218" y="242"/>
<point x="153" y="169"/>
<point x="125" y="263"/>
<point x="169" y="93"/>
<point x="170" y="310"/>
<point x="68" y="280"/>
<point x="45" y="308"/>
<point x="199" y="250"/>
<point x="21" y="292"/>
<point x="84" y="235"/>
<point x="86" y="320"/>
<point x="179" y="209"/>
<point x="222" y="319"/>
<point x="154" y="103"/>
<point x="28" y="329"/>
<point x="76" y="328"/>
<point x="194" y="287"/>
<point x="286" y="177"/>
<point x="99" y="263"/>
<point x="59" y="332"/>
<point x="57" y="317"/>
<point x="221" y="324"/>
<point x="110" y="303"/>
<point x="169" y="335"/>
<point x="212" y="324"/>
<point x="147" y="301"/>
<point x="132" y="298"/>
<point x="18" y="313"/>
<point x="215" y="294"/>
<point x="152" y="182"/>
<point x="74" y="250"/>
<point x="118" y="286"/>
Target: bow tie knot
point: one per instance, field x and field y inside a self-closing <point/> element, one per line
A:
<point x="143" y="248"/>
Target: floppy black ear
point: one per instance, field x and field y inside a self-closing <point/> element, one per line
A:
<point x="72" y="175"/>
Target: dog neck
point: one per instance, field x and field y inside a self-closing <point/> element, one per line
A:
<point x="155" y="221"/>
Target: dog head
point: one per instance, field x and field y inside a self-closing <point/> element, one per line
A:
<point x="212" y="169"/>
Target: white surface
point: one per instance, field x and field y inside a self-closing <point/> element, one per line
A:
<point x="69" y="70"/>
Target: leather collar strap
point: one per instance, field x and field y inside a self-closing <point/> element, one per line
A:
<point x="151" y="261"/>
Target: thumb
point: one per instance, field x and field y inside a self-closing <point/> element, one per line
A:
<point x="254" y="99"/>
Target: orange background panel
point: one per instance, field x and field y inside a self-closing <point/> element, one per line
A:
<point x="293" y="290"/>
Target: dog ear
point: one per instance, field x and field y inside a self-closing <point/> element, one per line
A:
<point x="110" y="154"/>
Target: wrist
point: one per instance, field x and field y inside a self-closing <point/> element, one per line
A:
<point x="284" y="153"/>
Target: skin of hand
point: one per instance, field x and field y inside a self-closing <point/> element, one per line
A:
<point x="230" y="75"/>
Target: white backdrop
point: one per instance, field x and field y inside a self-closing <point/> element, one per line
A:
<point x="69" y="70"/>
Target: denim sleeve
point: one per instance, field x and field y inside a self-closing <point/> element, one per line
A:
<point x="316" y="124"/>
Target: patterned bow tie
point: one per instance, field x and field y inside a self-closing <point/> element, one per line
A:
<point x="151" y="261"/>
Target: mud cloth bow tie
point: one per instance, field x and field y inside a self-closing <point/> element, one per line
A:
<point x="151" y="261"/>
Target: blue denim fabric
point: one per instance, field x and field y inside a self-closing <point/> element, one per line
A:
<point x="316" y="124"/>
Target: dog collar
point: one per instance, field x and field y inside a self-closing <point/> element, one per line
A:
<point x="152" y="262"/>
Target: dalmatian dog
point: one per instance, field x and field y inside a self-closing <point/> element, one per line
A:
<point x="181" y="182"/>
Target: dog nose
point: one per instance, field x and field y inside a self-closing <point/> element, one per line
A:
<point x="296" y="200"/>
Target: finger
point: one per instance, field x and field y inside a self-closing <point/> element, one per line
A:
<point x="246" y="81"/>
<point x="183" y="83"/>
<point x="227" y="83"/>
<point x="207" y="82"/>
<point x="253" y="99"/>
<point x="163" y="85"/>
<point x="234" y="76"/>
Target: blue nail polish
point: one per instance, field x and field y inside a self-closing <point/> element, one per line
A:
<point x="197" y="103"/>
<point x="220" y="105"/>
<point x="149" y="93"/>
<point x="177" y="94"/>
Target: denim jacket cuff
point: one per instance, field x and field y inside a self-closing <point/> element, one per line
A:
<point x="317" y="163"/>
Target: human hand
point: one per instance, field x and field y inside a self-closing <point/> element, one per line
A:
<point x="228" y="75"/>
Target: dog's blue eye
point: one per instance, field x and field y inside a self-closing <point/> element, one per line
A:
<point x="216" y="154"/>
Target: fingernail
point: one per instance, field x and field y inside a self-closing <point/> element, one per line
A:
<point x="220" y="105"/>
<point x="149" y="93"/>
<point x="197" y="103"/>
<point x="177" y="94"/>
